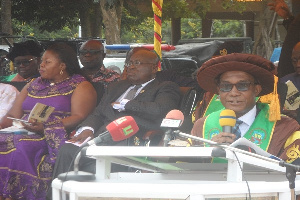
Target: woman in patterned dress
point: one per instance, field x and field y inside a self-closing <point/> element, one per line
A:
<point x="26" y="161"/>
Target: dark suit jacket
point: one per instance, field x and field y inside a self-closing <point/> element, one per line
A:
<point x="148" y="108"/>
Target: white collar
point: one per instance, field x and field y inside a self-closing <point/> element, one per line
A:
<point x="143" y="84"/>
<point x="249" y="117"/>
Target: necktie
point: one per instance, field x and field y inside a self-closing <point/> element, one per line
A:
<point x="236" y="129"/>
<point x="131" y="94"/>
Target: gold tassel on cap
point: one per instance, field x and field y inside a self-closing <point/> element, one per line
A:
<point x="273" y="101"/>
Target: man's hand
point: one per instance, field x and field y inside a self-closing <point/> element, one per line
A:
<point x="281" y="8"/>
<point x="120" y="106"/>
<point x="82" y="136"/>
<point x="113" y="103"/>
<point x="224" y="138"/>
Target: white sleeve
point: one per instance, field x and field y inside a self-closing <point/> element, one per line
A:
<point x="82" y="129"/>
<point x="8" y="94"/>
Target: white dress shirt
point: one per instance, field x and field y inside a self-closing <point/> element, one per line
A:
<point x="120" y="107"/>
<point x="247" y="119"/>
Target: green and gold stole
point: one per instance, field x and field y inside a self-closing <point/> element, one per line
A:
<point x="260" y="132"/>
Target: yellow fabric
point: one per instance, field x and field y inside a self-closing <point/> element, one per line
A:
<point x="157" y="9"/>
<point x="273" y="101"/>
<point x="292" y="138"/>
<point x="293" y="152"/>
<point x="11" y="66"/>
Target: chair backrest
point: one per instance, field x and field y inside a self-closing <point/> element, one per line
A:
<point x="187" y="104"/>
<point x="17" y="84"/>
<point x="188" y="100"/>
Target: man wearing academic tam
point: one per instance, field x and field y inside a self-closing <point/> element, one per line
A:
<point x="239" y="79"/>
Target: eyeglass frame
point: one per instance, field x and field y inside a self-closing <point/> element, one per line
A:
<point x="136" y="63"/>
<point x="92" y="52"/>
<point x="18" y="63"/>
<point x="237" y="86"/>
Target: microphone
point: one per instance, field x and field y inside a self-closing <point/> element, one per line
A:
<point x="173" y="120"/>
<point x="227" y="120"/>
<point x="222" y="146"/>
<point x="119" y="129"/>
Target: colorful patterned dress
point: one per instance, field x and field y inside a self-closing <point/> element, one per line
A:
<point x="27" y="161"/>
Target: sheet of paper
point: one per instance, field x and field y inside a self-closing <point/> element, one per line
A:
<point x="257" y="149"/>
<point x="292" y="101"/>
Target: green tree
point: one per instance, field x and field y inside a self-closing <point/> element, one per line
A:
<point x="54" y="15"/>
<point x="33" y="29"/>
<point x="49" y="14"/>
<point x="191" y="28"/>
<point x="231" y="28"/>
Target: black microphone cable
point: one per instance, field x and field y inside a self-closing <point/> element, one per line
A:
<point x="243" y="175"/>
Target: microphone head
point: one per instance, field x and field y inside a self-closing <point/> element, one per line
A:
<point x="173" y="119"/>
<point x="122" y="128"/>
<point x="175" y="114"/>
<point x="227" y="118"/>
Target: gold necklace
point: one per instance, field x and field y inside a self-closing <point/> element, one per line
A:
<point x="54" y="83"/>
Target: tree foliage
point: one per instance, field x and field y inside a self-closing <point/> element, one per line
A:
<point x="51" y="15"/>
<point x="32" y="29"/>
<point x="231" y="28"/>
<point x="53" y="18"/>
<point x="176" y="9"/>
<point x="191" y="28"/>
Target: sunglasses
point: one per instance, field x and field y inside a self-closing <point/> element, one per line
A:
<point x="92" y="52"/>
<point x="240" y="86"/>
<point x="24" y="62"/>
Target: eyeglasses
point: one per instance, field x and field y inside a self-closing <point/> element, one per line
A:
<point x="135" y="63"/>
<point x="92" y="52"/>
<point x="24" y="62"/>
<point x="240" y="86"/>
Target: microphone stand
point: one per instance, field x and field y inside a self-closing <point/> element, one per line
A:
<point x="167" y="137"/>
<point x="184" y="135"/>
<point x="77" y="175"/>
<point x="291" y="176"/>
<point x="290" y="168"/>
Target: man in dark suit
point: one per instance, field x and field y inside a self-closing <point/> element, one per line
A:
<point x="152" y="101"/>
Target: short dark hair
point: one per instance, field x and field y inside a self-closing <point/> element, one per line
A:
<point x="29" y="47"/>
<point x="67" y="55"/>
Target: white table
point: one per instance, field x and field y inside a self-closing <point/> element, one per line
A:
<point x="189" y="178"/>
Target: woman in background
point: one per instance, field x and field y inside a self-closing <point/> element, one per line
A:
<point x="25" y="57"/>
